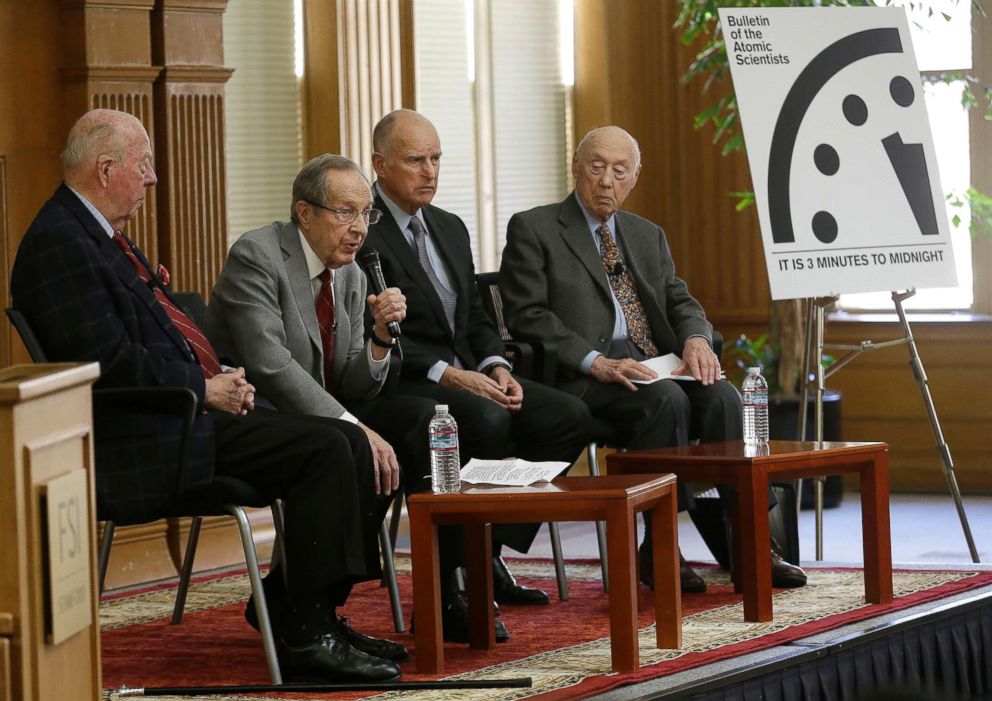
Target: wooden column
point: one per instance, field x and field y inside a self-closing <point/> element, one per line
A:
<point x="105" y="61"/>
<point x="187" y="40"/>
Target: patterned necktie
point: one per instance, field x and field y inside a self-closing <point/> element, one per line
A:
<point x="448" y="298"/>
<point x="325" y="320"/>
<point x="623" y="286"/>
<point x="202" y="349"/>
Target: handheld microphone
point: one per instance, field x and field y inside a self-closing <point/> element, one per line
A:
<point x="373" y="269"/>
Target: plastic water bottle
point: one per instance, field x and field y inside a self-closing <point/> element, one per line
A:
<point x="445" y="464"/>
<point x="755" y="391"/>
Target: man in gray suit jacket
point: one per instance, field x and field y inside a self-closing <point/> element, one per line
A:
<point x="600" y="283"/>
<point x="290" y="305"/>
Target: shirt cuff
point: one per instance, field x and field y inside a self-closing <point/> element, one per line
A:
<point x="377" y="368"/>
<point x="437" y="369"/>
<point x="349" y="417"/>
<point x="494" y="360"/>
<point x="585" y="367"/>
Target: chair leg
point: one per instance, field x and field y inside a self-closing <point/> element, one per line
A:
<point x="593" y="458"/>
<point x="105" y="543"/>
<point x="187" y="570"/>
<point x="389" y="574"/>
<point x="394" y="519"/>
<point x="258" y="593"/>
<point x="279" y="521"/>
<point x="559" y="561"/>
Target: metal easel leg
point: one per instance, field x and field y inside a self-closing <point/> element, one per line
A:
<point x="943" y="450"/>
<point x="804" y="392"/>
<point x="818" y="481"/>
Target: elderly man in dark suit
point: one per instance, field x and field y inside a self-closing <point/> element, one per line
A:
<point x="90" y="294"/>
<point x="601" y="284"/>
<point x="452" y="352"/>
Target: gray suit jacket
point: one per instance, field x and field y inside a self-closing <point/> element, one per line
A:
<point x="554" y="286"/>
<point x="261" y="315"/>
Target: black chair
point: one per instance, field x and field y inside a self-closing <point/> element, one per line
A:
<point x="223" y="496"/>
<point x="194" y="306"/>
<point x="535" y="361"/>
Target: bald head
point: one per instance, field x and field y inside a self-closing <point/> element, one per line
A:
<point x="99" y="132"/>
<point x="605" y="167"/>
<point x="613" y="137"/>
<point x="407" y="158"/>
<point x="108" y="160"/>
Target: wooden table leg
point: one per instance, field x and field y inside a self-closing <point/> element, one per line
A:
<point x="755" y="562"/>
<point x="429" y="650"/>
<point x="667" y="591"/>
<point x="479" y="563"/>
<point x="875" y="529"/>
<point x="620" y="536"/>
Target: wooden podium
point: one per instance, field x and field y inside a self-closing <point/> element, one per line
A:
<point x="49" y="625"/>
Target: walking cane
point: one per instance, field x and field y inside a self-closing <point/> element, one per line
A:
<point x="516" y="683"/>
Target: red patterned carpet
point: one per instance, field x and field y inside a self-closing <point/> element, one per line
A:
<point x="564" y="647"/>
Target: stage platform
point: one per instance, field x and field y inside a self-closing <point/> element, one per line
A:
<point x="952" y="636"/>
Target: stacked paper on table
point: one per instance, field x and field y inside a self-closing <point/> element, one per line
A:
<point x="511" y="473"/>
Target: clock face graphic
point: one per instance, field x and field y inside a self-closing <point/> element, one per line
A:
<point x="875" y="124"/>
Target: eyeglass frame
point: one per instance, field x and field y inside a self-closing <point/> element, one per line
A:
<point x="368" y="214"/>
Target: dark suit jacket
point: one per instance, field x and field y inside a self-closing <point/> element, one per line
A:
<point x="426" y="335"/>
<point x="85" y="301"/>
<point x="554" y="286"/>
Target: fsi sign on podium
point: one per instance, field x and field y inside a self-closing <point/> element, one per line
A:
<point x="839" y="145"/>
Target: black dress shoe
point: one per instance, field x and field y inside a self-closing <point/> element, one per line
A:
<point x="785" y="574"/>
<point x="332" y="659"/>
<point x="377" y="647"/>
<point x="454" y="619"/>
<point x="507" y="591"/>
<point x="689" y="581"/>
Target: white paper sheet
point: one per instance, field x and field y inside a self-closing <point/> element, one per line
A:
<point x="510" y="473"/>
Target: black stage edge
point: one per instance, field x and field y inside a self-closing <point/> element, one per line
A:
<point x="942" y="653"/>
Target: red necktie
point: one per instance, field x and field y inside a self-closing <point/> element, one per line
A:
<point x="202" y="349"/>
<point x="325" y="320"/>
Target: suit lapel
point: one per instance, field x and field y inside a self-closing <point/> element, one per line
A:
<point x="122" y="266"/>
<point x="299" y="281"/>
<point x="574" y="232"/>
<point x="408" y="259"/>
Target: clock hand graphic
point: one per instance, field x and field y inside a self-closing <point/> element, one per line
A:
<point x="907" y="160"/>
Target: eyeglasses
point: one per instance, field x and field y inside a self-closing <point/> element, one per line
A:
<point x="348" y="215"/>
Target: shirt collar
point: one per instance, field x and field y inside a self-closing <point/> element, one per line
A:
<point x="97" y="214"/>
<point x="315" y="266"/>
<point x="592" y="222"/>
<point x="401" y="217"/>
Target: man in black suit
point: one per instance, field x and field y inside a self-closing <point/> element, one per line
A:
<point x="451" y="351"/>
<point x="600" y="283"/>
<point x="90" y="294"/>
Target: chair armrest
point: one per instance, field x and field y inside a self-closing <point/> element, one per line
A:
<point x="541" y="360"/>
<point x="154" y="401"/>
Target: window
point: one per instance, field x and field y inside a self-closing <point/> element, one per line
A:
<point x="264" y="148"/>
<point x="941" y="46"/>
<point x="491" y="75"/>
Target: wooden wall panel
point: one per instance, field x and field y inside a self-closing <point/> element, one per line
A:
<point x="5" y="331"/>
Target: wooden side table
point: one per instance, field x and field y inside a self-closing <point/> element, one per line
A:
<point x="613" y="499"/>
<point x="750" y="471"/>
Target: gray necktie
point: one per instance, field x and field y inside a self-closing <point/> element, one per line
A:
<point x="448" y="298"/>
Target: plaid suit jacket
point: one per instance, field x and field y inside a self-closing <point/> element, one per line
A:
<point x="85" y="302"/>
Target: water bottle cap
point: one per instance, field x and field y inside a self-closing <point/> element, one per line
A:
<point x="440" y="408"/>
<point x="754" y="371"/>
